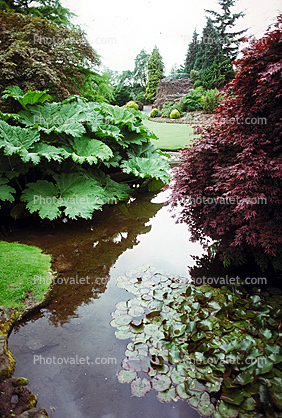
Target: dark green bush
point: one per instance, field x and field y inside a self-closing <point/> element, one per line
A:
<point x="197" y="83"/>
<point x="211" y="100"/>
<point x="193" y="100"/>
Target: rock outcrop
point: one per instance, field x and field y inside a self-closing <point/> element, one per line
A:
<point x="172" y="90"/>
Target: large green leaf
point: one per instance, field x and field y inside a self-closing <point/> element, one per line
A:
<point x="90" y="150"/>
<point x="6" y="190"/>
<point x="17" y="140"/>
<point x="29" y="98"/>
<point x="72" y="194"/>
<point x="147" y="167"/>
<point x="50" y="152"/>
<point x="60" y="118"/>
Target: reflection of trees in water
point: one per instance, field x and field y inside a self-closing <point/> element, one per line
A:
<point x="84" y="251"/>
<point x="212" y="266"/>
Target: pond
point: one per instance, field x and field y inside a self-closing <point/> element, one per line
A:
<point x="74" y="327"/>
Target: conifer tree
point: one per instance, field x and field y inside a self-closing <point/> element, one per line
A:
<point x="224" y="22"/>
<point x="48" y="9"/>
<point x="191" y="53"/>
<point x="155" y="74"/>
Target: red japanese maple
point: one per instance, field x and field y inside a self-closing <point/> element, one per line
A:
<point x="230" y="183"/>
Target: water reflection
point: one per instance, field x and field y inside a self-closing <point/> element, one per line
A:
<point x="76" y="321"/>
<point x="84" y="251"/>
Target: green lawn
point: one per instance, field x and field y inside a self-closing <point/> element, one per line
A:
<point x="24" y="275"/>
<point x="172" y="136"/>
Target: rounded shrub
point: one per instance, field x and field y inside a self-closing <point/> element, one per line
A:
<point x="154" y="113"/>
<point x="174" y="114"/>
<point x="132" y="105"/>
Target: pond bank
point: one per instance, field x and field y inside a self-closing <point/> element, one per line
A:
<point x="22" y="294"/>
<point x="15" y="398"/>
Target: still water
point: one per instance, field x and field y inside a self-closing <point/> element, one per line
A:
<point x="74" y="327"/>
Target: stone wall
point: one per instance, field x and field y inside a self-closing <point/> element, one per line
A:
<point x="172" y="90"/>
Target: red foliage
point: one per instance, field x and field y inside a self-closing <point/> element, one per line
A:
<point x="239" y="156"/>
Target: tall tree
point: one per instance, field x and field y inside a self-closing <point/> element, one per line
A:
<point x="141" y="68"/>
<point x="39" y="54"/>
<point x="224" y="22"/>
<point x="191" y="55"/>
<point x="229" y="186"/>
<point x="155" y="74"/>
<point x="209" y="49"/>
<point x="48" y="9"/>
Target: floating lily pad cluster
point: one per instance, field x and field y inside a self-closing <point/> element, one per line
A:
<point x="219" y="349"/>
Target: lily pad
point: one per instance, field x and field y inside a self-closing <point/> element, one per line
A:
<point x="168" y="395"/>
<point x="126" y="376"/>
<point x="205" y="408"/>
<point x="139" y="387"/>
<point x="227" y="411"/>
<point x="161" y="383"/>
<point x="123" y="320"/>
<point x="136" y="311"/>
<point x="244" y="378"/>
<point x="123" y="334"/>
<point x="235" y="397"/>
<point x="181" y="392"/>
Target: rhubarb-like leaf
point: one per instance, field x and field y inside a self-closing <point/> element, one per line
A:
<point x="72" y="194"/>
<point x="17" y="140"/>
<point x="29" y="98"/>
<point x="90" y="150"/>
<point x="147" y="167"/>
<point x="6" y="190"/>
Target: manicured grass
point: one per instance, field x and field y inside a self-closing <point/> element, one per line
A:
<point x="24" y="275"/>
<point x="172" y="136"/>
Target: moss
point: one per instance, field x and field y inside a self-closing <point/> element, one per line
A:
<point x="20" y="381"/>
<point x="11" y="318"/>
<point x="32" y="401"/>
<point x="11" y="363"/>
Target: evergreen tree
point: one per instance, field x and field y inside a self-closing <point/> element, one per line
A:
<point x="191" y="55"/>
<point x="209" y="49"/>
<point x="224" y="22"/>
<point x="155" y="74"/>
<point x="48" y="9"/>
<point x="215" y="69"/>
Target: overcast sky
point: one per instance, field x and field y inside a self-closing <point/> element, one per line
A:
<point x="119" y="29"/>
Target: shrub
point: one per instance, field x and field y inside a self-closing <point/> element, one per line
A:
<point x="211" y="100"/>
<point x="63" y="158"/>
<point x="193" y="100"/>
<point x="174" y="114"/>
<point x="198" y="83"/>
<point x="167" y="108"/>
<point x="239" y="160"/>
<point x="132" y="105"/>
<point x="194" y="75"/>
<point x="154" y="113"/>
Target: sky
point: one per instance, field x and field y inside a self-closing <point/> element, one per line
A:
<point x="119" y="29"/>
